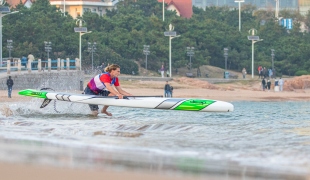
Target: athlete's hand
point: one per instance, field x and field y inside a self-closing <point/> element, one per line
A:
<point x="120" y="96"/>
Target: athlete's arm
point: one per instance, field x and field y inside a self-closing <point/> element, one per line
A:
<point x="120" y="90"/>
<point x="113" y="91"/>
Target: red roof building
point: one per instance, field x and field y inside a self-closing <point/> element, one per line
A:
<point x="184" y="8"/>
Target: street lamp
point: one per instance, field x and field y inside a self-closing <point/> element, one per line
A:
<point x="92" y="48"/>
<point x="172" y="34"/>
<point x="9" y="46"/>
<point x="254" y="40"/>
<point x="82" y="31"/>
<point x="239" y="1"/>
<point x="226" y="56"/>
<point x="48" y="48"/>
<point x="146" y="52"/>
<point x="272" y="58"/>
<point x="6" y="10"/>
<point x="190" y="53"/>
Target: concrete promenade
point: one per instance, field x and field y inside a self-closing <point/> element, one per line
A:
<point x="72" y="79"/>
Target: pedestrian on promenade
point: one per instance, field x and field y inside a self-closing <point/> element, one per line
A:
<point x="162" y="70"/>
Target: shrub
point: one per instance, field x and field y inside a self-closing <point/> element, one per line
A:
<point x="301" y="72"/>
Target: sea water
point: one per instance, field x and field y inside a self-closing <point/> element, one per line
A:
<point x="264" y="140"/>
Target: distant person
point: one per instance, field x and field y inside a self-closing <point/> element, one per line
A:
<point x="268" y="84"/>
<point x="31" y="59"/>
<point x="171" y="90"/>
<point x="162" y="71"/>
<point x="167" y="73"/>
<point x="24" y="61"/>
<point x="281" y="83"/>
<point x="276" y="85"/>
<point x="264" y="84"/>
<point x="243" y="73"/>
<point x="10" y="84"/>
<point x="102" y="84"/>
<point x="167" y="89"/>
<point x="260" y="71"/>
<point x="270" y="73"/>
<point x="102" y="67"/>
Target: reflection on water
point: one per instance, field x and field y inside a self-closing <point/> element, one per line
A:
<point x="257" y="140"/>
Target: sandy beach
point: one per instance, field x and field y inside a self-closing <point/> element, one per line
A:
<point x="248" y="90"/>
<point x="183" y="87"/>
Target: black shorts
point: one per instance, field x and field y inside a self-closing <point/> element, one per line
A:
<point x="94" y="107"/>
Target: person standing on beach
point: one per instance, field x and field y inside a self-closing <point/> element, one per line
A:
<point x="281" y="83"/>
<point x="264" y="84"/>
<point x="268" y="84"/>
<point x="102" y="84"/>
<point x="167" y="89"/>
<point x="243" y="73"/>
<point x="162" y="70"/>
<point x="10" y="84"/>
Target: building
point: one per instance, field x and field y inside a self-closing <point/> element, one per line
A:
<point x="301" y="5"/>
<point x="75" y="7"/>
<point x="183" y="8"/>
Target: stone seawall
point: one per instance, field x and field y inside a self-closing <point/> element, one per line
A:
<point x="57" y="80"/>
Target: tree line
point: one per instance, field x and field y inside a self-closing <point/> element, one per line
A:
<point x="122" y="32"/>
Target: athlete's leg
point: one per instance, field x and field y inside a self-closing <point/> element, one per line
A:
<point x="104" y="109"/>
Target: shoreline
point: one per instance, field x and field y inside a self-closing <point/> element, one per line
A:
<point x="222" y="95"/>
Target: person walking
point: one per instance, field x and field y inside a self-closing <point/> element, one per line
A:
<point x="10" y="84"/>
<point x="167" y="89"/>
<point x="243" y="73"/>
<point x="281" y="83"/>
<point x="102" y="84"/>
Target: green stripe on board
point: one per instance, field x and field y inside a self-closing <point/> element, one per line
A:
<point x="33" y="93"/>
<point x="194" y="104"/>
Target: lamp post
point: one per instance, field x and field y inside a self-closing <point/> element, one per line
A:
<point x="9" y="46"/>
<point x="272" y="58"/>
<point x="64" y="7"/>
<point x="254" y="40"/>
<point x="163" y="10"/>
<point x="92" y="48"/>
<point x="4" y="10"/>
<point x="146" y="52"/>
<point x="277" y="9"/>
<point x="82" y="31"/>
<point x="239" y="1"/>
<point x="190" y="53"/>
<point x="48" y="48"/>
<point x="226" y="56"/>
<point x="172" y="34"/>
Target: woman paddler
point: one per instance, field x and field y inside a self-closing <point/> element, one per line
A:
<point x="102" y="84"/>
